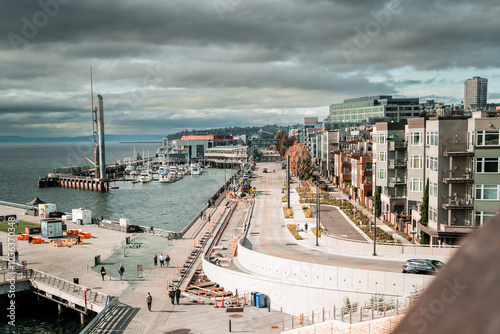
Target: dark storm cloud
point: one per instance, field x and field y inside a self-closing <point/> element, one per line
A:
<point x="168" y="63"/>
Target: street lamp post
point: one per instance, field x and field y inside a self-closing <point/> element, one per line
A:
<point x="317" y="207"/>
<point x="374" y="209"/>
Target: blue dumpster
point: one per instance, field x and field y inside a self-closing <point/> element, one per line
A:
<point x="260" y="300"/>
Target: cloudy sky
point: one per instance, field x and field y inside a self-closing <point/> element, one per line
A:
<point x="165" y="66"/>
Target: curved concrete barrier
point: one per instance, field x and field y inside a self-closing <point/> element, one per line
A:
<point x="295" y="287"/>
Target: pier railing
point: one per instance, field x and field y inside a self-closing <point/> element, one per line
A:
<point x="18" y="206"/>
<point x="63" y="285"/>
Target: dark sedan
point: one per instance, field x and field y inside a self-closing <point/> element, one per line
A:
<point x="425" y="267"/>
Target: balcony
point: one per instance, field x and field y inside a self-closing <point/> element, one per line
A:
<point x="456" y="203"/>
<point x="456" y="176"/>
<point x="396" y="181"/>
<point x="366" y="172"/>
<point x="456" y="150"/>
<point x="397" y="145"/>
<point x="456" y="227"/>
<point x="346" y="176"/>
<point x="400" y="163"/>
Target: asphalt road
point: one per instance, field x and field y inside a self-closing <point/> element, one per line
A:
<point x="268" y="231"/>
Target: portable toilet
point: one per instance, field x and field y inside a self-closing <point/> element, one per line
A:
<point x="45" y="208"/>
<point x="260" y="300"/>
<point x="51" y="228"/>
<point x="81" y="216"/>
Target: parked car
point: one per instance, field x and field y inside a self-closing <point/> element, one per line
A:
<point x="419" y="266"/>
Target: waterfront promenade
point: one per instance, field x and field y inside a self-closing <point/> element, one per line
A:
<point x="132" y="316"/>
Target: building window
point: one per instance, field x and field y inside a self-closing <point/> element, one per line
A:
<point x="433" y="215"/>
<point x="487" y="138"/>
<point x="433" y="189"/>
<point x="382" y="138"/>
<point x="487" y="192"/>
<point x="416" y="138"/>
<point x="433" y="164"/>
<point x="415" y="184"/>
<point x="381" y="174"/>
<point x="416" y="161"/>
<point x="487" y="165"/>
<point x="432" y="138"/>
<point x="382" y="156"/>
<point x="483" y="216"/>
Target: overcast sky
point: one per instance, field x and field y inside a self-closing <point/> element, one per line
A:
<point x="165" y="66"/>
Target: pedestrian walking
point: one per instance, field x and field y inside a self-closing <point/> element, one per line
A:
<point x="155" y="260"/>
<point x="162" y="259"/>
<point x="103" y="272"/>
<point x="16" y="255"/>
<point x="171" y="294"/>
<point x="305" y="227"/>
<point x="121" y="271"/>
<point x="167" y="261"/>
<point x="177" y="295"/>
<point x="149" y="300"/>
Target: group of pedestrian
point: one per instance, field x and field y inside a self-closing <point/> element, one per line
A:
<point x="164" y="260"/>
<point x="175" y="295"/>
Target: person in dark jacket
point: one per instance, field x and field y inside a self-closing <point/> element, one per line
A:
<point x="103" y="272"/>
<point x="155" y="260"/>
<point x="149" y="300"/>
<point x="177" y="295"/>
<point x="171" y="294"/>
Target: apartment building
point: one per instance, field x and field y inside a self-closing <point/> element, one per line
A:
<point x="390" y="143"/>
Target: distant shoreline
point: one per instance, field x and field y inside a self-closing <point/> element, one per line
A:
<point x="133" y="142"/>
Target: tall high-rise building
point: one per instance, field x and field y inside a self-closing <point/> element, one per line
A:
<point x="475" y="93"/>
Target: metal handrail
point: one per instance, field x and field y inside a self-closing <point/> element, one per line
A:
<point x="18" y="206"/>
<point x="67" y="286"/>
<point x="352" y="313"/>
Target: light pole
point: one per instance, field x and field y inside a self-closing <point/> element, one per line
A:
<point x="374" y="209"/>
<point x="317" y="207"/>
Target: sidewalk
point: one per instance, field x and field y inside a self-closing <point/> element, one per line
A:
<point x="309" y="239"/>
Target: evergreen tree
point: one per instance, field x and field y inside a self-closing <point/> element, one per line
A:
<point x="378" y="202"/>
<point x="424" y="211"/>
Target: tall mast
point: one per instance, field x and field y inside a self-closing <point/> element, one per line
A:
<point x="94" y="127"/>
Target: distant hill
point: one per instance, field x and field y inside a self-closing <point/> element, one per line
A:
<point x="234" y="131"/>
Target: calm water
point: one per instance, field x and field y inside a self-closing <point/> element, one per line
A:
<point x="167" y="205"/>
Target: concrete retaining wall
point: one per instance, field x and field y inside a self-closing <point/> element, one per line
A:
<point x="296" y="287"/>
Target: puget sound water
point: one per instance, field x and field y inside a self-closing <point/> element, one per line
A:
<point x="168" y="206"/>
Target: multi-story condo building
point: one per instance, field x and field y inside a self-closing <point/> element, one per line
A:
<point x="374" y="108"/>
<point x="390" y="155"/>
<point x="475" y="93"/>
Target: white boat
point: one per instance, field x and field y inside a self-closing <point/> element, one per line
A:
<point x="164" y="175"/>
<point x="145" y="176"/>
<point x="174" y="175"/>
<point x="196" y="169"/>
